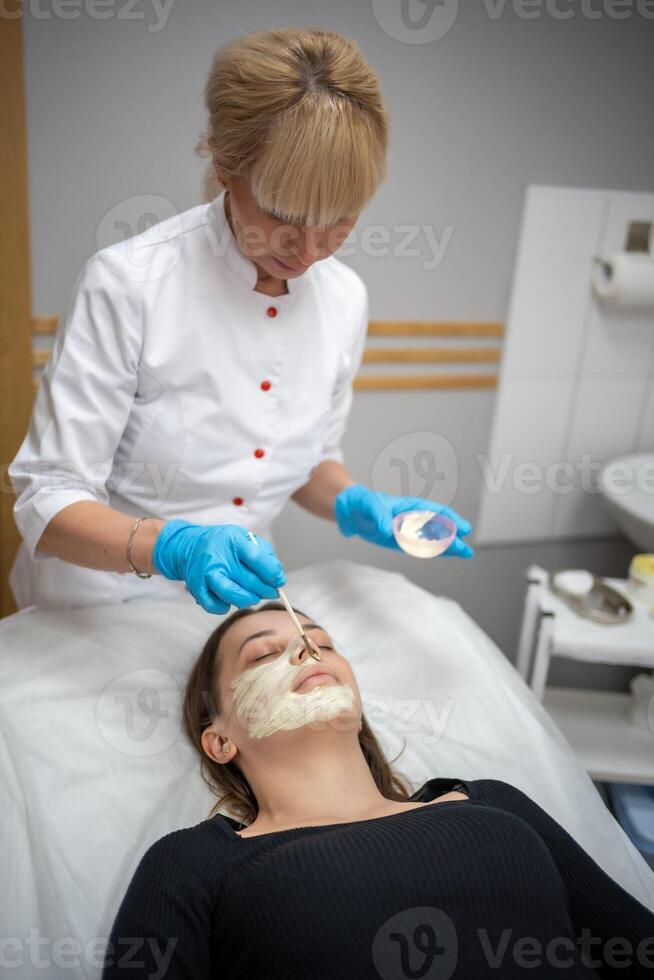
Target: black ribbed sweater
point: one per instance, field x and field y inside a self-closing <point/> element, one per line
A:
<point x="486" y="887"/>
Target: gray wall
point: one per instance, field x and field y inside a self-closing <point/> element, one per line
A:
<point x="498" y="102"/>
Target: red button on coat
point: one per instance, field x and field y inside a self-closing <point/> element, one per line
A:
<point x="259" y="453"/>
<point x="238" y="501"/>
<point x="272" y="311"/>
<point x="265" y="385"/>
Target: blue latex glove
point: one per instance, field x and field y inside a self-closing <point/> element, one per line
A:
<point x="369" y="514"/>
<point x="219" y="563"/>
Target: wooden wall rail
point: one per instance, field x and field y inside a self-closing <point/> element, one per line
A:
<point x="433" y="355"/>
<point x="44" y="326"/>
<point x="390" y="382"/>
<point x="435" y="328"/>
<point x="442" y="354"/>
<point x="376" y="328"/>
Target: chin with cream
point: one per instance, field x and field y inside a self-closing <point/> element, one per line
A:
<point x="267" y="698"/>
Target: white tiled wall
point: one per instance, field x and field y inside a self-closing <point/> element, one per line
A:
<point x="576" y="377"/>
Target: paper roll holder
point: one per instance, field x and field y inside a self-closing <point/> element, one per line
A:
<point x="639" y="241"/>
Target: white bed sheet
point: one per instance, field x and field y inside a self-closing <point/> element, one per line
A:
<point x="92" y="775"/>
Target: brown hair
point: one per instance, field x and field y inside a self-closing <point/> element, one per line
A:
<point x="299" y="112"/>
<point x="226" y="780"/>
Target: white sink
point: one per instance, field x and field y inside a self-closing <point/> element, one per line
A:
<point x="627" y="485"/>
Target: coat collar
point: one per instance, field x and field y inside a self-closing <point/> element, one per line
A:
<point x="226" y="247"/>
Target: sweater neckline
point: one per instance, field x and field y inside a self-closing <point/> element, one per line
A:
<point x="428" y="792"/>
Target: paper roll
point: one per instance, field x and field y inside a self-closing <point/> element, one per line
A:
<point x="625" y="279"/>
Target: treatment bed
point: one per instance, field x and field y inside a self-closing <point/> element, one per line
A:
<point x="95" y="766"/>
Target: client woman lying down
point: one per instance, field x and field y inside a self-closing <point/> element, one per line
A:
<point x="333" y="869"/>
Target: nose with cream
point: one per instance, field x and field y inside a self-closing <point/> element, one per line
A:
<point x="265" y="701"/>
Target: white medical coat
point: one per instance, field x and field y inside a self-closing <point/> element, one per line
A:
<point x="177" y="391"/>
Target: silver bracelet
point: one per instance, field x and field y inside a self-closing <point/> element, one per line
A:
<point x="129" y="550"/>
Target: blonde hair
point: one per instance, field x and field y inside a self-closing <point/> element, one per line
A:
<point x="299" y="113"/>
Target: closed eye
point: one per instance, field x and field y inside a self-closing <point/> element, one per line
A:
<point x="275" y="653"/>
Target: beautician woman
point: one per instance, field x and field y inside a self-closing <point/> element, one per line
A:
<point x="203" y="372"/>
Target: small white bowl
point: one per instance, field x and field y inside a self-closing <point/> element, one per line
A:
<point x="430" y="540"/>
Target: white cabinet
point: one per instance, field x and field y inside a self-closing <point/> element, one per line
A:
<point x="595" y="723"/>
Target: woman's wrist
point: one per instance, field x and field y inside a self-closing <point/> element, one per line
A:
<point x="318" y="494"/>
<point x="143" y="544"/>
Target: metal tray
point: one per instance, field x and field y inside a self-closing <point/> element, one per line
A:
<point x="602" y="604"/>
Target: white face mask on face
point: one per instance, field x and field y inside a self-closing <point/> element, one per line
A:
<point x="265" y="704"/>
